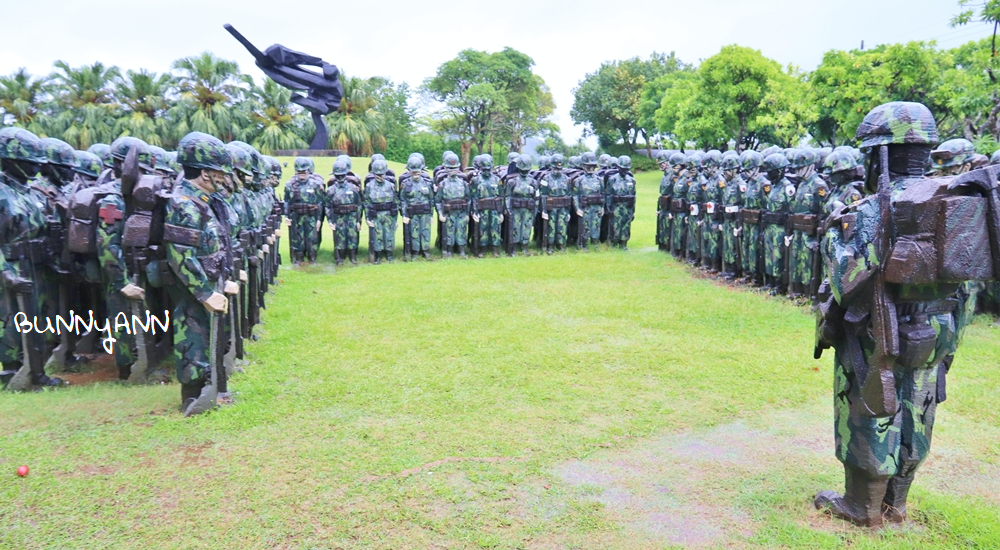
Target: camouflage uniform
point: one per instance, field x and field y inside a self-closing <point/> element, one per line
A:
<point x="696" y="185"/>
<point x="620" y="189"/>
<point x="588" y="201"/>
<point x="776" y="194"/>
<point x="732" y="201"/>
<point x="304" y="197"/>
<point x="556" y="201"/>
<point x="679" y="208"/>
<point x="486" y="191"/>
<point x="381" y="208"/>
<point x="753" y="203"/>
<point x="343" y="209"/>
<point x="806" y="207"/>
<point x="712" y="186"/>
<point x="417" y="199"/>
<point x="453" y="203"/>
<point x="522" y="203"/>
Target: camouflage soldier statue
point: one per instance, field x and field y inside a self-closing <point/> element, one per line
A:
<point x="620" y="189"/>
<point x="588" y="201"/>
<point x="22" y="226"/>
<point x="88" y="168"/>
<point x="416" y="201"/>
<point x="696" y="186"/>
<point x="893" y="309"/>
<point x="732" y="202"/>
<point x="679" y="208"/>
<point x="195" y="238"/>
<point x="381" y="209"/>
<point x="522" y="204"/>
<point x="775" y="196"/>
<point x="712" y="186"/>
<point x="663" y="204"/>
<point x="750" y="212"/>
<point x="556" y="202"/>
<point x="806" y="209"/>
<point x="487" y="207"/>
<point x="343" y="209"/>
<point x="103" y="152"/>
<point x="453" y="202"/>
<point x="304" y="195"/>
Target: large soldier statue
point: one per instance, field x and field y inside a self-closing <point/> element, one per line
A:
<point x="894" y="306"/>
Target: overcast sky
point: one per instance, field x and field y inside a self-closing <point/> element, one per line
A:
<point x="406" y="41"/>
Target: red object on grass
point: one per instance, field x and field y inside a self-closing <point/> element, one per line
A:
<point x="22" y="471"/>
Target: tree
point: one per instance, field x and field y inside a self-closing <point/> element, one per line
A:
<point x="392" y="101"/>
<point x="677" y="88"/>
<point x="273" y="122"/>
<point x="21" y="98"/>
<point x="357" y="127"/>
<point x="608" y="101"/>
<point x="85" y="104"/>
<point x="142" y="98"/>
<point x="208" y="86"/>
<point x="988" y="13"/>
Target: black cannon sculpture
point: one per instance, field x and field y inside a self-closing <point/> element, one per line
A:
<point x="285" y="66"/>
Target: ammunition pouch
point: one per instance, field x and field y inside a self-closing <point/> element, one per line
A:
<point x="591" y="200"/>
<point x="664" y="203"/>
<point x="181" y="235"/>
<point x="418" y="209"/>
<point x="627" y="200"/>
<point x="385" y="207"/>
<point x="213" y="264"/>
<point x="917" y="342"/>
<point x="37" y="251"/>
<point x="750" y="216"/>
<point x="305" y="209"/>
<point x="82" y="238"/>
<point x="806" y="223"/>
<point x="343" y="209"/>
<point x="521" y="202"/>
<point x="731" y="213"/>
<point x="552" y="203"/>
<point x="679" y="205"/>
<point x="492" y="204"/>
<point x="455" y="205"/>
<point x="773" y="218"/>
<point x="712" y="212"/>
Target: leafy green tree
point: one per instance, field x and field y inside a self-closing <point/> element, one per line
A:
<point x="677" y="89"/>
<point x="83" y="98"/>
<point x="273" y="121"/>
<point x="143" y="100"/>
<point x="22" y="97"/>
<point x="392" y="101"/>
<point x="357" y="127"/>
<point x="207" y="86"/>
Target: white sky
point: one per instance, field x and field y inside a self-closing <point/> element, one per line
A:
<point x="406" y="41"/>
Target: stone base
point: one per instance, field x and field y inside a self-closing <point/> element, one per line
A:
<point x="309" y="153"/>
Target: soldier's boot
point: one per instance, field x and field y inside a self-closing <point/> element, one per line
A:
<point x="446" y="253"/>
<point x="461" y="252"/>
<point x="480" y="253"/>
<point x="296" y="258"/>
<point x="728" y="271"/>
<point x="41" y="380"/>
<point x="692" y="258"/>
<point x="717" y="266"/>
<point x="625" y="246"/>
<point x="388" y="256"/>
<point x="496" y="251"/>
<point x="894" y="503"/>
<point x="795" y="291"/>
<point x="189" y="394"/>
<point x="549" y="251"/>
<point x="427" y="254"/>
<point x="354" y="256"/>
<point x="312" y="257"/>
<point x="595" y="242"/>
<point x="583" y="244"/>
<point x="339" y="255"/>
<point x="524" y="250"/>
<point x="861" y="503"/>
<point x="378" y="257"/>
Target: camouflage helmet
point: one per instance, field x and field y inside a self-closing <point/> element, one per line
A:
<point x="415" y="162"/>
<point x="978" y="161"/>
<point x="544" y="161"/>
<point x="477" y="162"/>
<point x="775" y="161"/>
<point x="265" y="167"/>
<point x="711" y="159"/>
<point x="662" y="156"/>
<point x="771" y="150"/>
<point x="121" y="146"/>
<point x="588" y="159"/>
<point x="625" y="162"/>
<point x="451" y="161"/>
<point x="88" y="164"/>
<point x="677" y="159"/>
<point x="604" y="160"/>
<point x="512" y="157"/>
<point x="789" y="153"/>
<point x="241" y="159"/>
<point x="486" y="162"/>
<point x="255" y="157"/>
<point x="20" y="144"/>
<point x="377" y="156"/>
<point x="801" y="158"/>
<point x="613" y="162"/>
<point x="995" y="157"/>
<point x="161" y="159"/>
<point x="954" y="152"/>
<point x="693" y="160"/>
<point x="556" y="161"/>
<point x="103" y="152"/>
<point x="839" y="161"/>
<point x="379" y="167"/>
<point x="275" y="168"/>
<point x="59" y="152"/>
<point x="751" y="160"/>
<point x="347" y="161"/>
<point x="730" y="160"/>
<point x="898" y="122"/>
<point x="205" y="152"/>
<point x="340" y="168"/>
<point x="304" y="164"/>
<point x="172" y="161"/>
<point x="574" y="162"/>
<point x="445" y="154"/>
<point x="523" y="163"/>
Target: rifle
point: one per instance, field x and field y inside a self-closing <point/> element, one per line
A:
<point x="659" y="230"/>
<point x="129" y="179"/>
<point x="476" y="237"/>
<point x="878" y="387"/>
<point x="32" y="345"/>
<point x="546" y="220"/>
<point x="786" y="276"/>
<point x="217" y="372"/>
<point x="509" y="236"/>
<point x="371" y="244"/>
<point x="817" y="266"/>
<point x="407" y="240"/>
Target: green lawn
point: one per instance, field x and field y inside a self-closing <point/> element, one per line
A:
<point x="585" y="400"/>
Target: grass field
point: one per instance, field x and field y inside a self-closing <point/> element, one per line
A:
<point x="585" y="400"/>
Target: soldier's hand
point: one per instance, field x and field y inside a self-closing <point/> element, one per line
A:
<point x="18" y="285"/>
<point x="475" y="218"/>
<point x="133" y="292"/>
<point x="243" y="277"/>
<point x="545" y="215"/>
<point x="579" y="213"/>
<point x="216" y="303"/>
<point x="266" y="249"/>
<point x="319" y="225"/>
<point x="232" y="288"/>
<point x="277" y="233"/>
<point x="289" y="223"/>
<point x="406" y="220"/>
<point x="370" y="224"/>
<point x="270" y="239"/>
<point x="333" y="227"/>
<point x="501" y="218"/>
<point x="442" y="217"/>
<point x="359" y="226"/>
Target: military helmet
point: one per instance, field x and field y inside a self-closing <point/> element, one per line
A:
<point x="588" y="159"/>
<point x="199" y="150"/>
<point x="377" y="156"/>
<point x="275" y="168"/>
<point x="379" y="167"/>
<point x="486" y="162"/>
<point x="255" y="157"/>
<point x="20" y="144"/>
<point x="789" y="153"/>
<point x="711" y="159"/>
<point x="523" y="163"/>
<point x="613" y="162"/>
<point x="445" y="154"/>
<point x="995" y="157"/>
<point x="898" y="122"/>
<point x="574" y="162"/>
<point x="751" y="160"/>
<point x="677" y="159"/>
<point x="161" y="159"/>
<point x="839" y="161"/>
<point x="954" y="152"/>
<point x="730" y="160"/>
<point x="477" y="162"/>
<point x="241" y="159"/>
<point x="88" y="164"/>
<point x="103" y="152"/>
<point x="693" y="160"/>
<point x="556" y="161"/>
<point x="304" y="164"/>
<point x="512" y="157"/>
<point x="978" y="161"/>
<point x="59" y="152"/>
<point x="415" y="162"/>
<point x="121" y="146"/>
<point x="172" y="161"/>
<point x="340" y="168"/>
<point x="824" y="152"/>
<point x="801" y="158"/>
<point x="347" y="161"/>
<point x="771" y="150"/>
<point x="604" y="160"/>
<point x="775" y="161"/>
<point x="844" y="148"/>
<point x="625" y="162"/>
<point x="662" y="156"/>
<point x="451" y="161"/>
<point x="265" y="167"/>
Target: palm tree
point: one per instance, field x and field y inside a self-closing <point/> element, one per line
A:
<point x="356" y="127"/>
<point x="273" y="121"/>
<point x="208" y="86"/>
<point x="84" y="104"/>
<point x="143" y="99"/>
<point x="22" y="97"/>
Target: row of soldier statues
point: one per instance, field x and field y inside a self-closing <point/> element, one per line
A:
<point x="128" y="228"/>
<point x="487" y="208"/>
